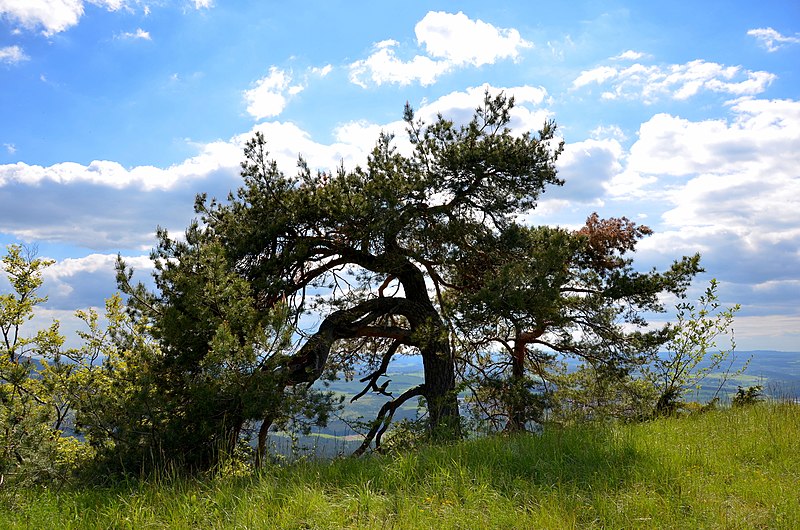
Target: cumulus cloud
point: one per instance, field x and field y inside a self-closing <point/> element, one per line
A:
<point x="526" y="116"/>
<point x="106" y="206"/>
<point x="383" y="66"/>
<point x="52" y="16"/>
<point x="12" y="55"/>
<point x="86" y="281"/>
<point x="772" y="40"/>
<point x="678" y="81"/>
<point x="729" y="189"/>
<point x="138" y="34"/>
<point x="286" y="141"/>
<point x="587" y="168"/>
<point x="365" y="133"/>
<point x="449" y="40"/>
<point x="628" y="55"/>
<point x="56" y="16"/>
<point x="270" y="95"/>
<point x="213" y="156"/>
<point x="93" y="216"/>
<point x="82" y="283"/>
<point x="759" y="136"/>
<point x="460" y="40"/>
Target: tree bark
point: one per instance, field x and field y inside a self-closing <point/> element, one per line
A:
<point x="437" y="357"/>
<point x="516" y="407"/>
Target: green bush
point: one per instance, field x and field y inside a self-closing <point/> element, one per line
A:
<point x="747" y="396"/>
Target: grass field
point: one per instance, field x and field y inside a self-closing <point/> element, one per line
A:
<point x="732" y="468"/>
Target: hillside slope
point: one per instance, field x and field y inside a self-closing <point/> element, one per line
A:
<point x="733" y="468"/>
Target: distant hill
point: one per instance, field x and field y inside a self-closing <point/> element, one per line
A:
<point x="777" y="372"/>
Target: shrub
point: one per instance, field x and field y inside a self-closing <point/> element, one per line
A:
<point x="749" y="396"/>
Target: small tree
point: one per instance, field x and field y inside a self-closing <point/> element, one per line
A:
<point x="747" y="396"/>
<point x="692" y="353"/>
<point x="210" y="363"/>
<point x="593" y="393"/>
<point x="31" y="415"/>
<point x="545" y="293"/>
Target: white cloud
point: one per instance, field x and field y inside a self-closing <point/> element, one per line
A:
<point x="56" y="16"/>
<point x="450" y="41"/>
<point x="353" y="142"/>
<point x="53" y="16"/>
<point x="772" y="40"/>
<point x="100" y="217"/>
<point x="105" y="206"/>
<point x="269" y="97"/>
<point x="459" y="106"/>
<point x="629" y="55"/>
<point x="727" y="188"/>
<point x="286" y="141"/>
<point x="138" y="34"/>
<point x="365" y="133"/>
<point x="608" y="131"/>
<point x="679" y="81"/>
<point x="460" y="40"/>
<point x="598" y="75"/>
<point x="85" y="281"/>
<point x="12" y="55"/>
<point x="760" y="132"/>
<point x="271" y="93"/>
<point x="383" y="66"/>
<point x="82" y="283"/>
<point x="322" y="71"/>
<point x="215" y="155"/>
<point x="587" y="167"/>
<point x="10" y="148"/>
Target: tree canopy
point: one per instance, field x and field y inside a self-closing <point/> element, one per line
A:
<point x="539" y="292"/>
<point x="414" y="253"/>
<point x="291" y="279"/>
<point x="371" y="249"/>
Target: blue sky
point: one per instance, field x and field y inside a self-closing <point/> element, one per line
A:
<point x="684" y="116"/>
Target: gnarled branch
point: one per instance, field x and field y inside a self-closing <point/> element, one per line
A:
<point x="384" y="418"/>
<point x="374" y="376"/>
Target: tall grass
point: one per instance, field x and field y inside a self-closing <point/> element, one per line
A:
<point x="734" y="468"/>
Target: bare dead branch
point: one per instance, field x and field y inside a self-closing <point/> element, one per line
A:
<point x="374" y="376"/>
<point x="384" y="418"/>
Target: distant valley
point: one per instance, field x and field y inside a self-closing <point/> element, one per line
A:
<point x="777" y="372"/>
